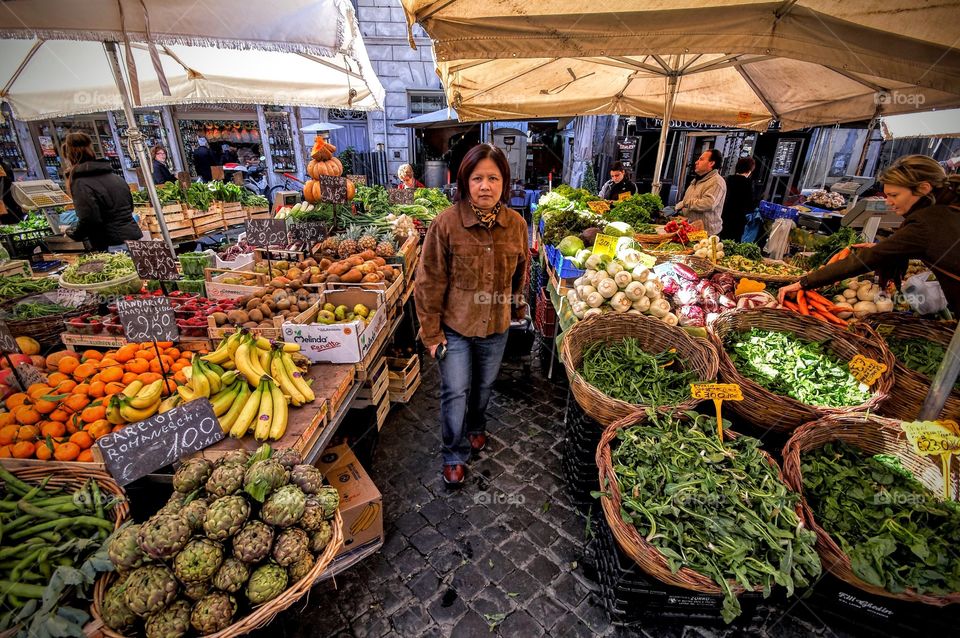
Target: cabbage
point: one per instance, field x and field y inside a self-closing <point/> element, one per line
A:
<point x="692" y="316"/>
<point x="618" y="229"/>
<point x="570" y="245"/>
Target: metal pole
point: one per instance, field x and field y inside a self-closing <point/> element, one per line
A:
<point x="136" y="139"/>
<point x="942" y="383"/>
<point x="865" y="150"/>
<point x="672" y="86"/>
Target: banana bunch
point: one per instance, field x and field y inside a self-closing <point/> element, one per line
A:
<point x="136" y="403"/>
<point x="206" y="380"/>
<point x="264" y="409"/>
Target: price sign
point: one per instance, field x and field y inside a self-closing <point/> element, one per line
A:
<point x="647" y="260"/>
<point x="333" y="189"/>
<point x="7" y="342"/>
<point x="624" y="196"/>
<point x="865" y="370"/>
<point x="359" y="180"/>
<point x="146" y="446"/>
<point x="718" y="392"/>
<point x="605" y="245"/>
<point x="697" y="235"/>
<point x="267" y="232"/>
<point x="935" y="438"/>
<point x="310" y="232"/>
<point x="148" y="319"/>
<point x="599" y="207"/>
<point x="31" y="374"/>
<point x="401" y="196"/>
<point x="70" y="297"/>
<point x="153" y="260"/>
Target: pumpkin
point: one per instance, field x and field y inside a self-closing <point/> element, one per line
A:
<point x="312" y="169"/>
<point x="351" y="190"/>
<point x="330" y="147"/>
<point x="321" y="152"/>
<point x="334" y="166"/>
<point x="311" y="191"/>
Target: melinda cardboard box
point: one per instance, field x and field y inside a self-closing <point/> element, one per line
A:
<point x="338" y="342"/>
<point x="360" y="500"/>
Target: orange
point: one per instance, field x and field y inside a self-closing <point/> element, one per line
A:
<point x="180" y="377"/>
<point x="69" y="385"/>
<point x="126" y="353"/>
<point x="173" y="353"/>
<point x="5" y="452"/>
<point x="100" y="427"/>
<point x="43" y="406"/>
<point x="149" y="355"/>
<point x="138" y="365"/>
<point x="86" y="456"/>
<point x="54" y="378"/>
<point x="108" y="362"/>
<point x="91" y="355"/>
<point x="27" y="433"/>
<point x="60" y="415"/>
<point x="113" y="373"/>
<point x="82" y="439"/>
<point x="97" y="389"/>
<point x="52" y="428"/>
<point x="149" y="377"/>
<point x="93" y="412"/>
<point x="8" y="434"/>
<point x="76" y="402"/>
<point x="117" y="427"/>
<point x="26" y="415"/>
<point x="170" y="386"/>
<point x="66" y="452"/>
<point x="68" y="364"/>
<point x="23" y="450"/>
<point x="163" y="345"/>
<point x="43" y="452"/>
<point x="16" y="399"/>
<point x="84" y="371"/>
<point x="128" y="378"/>
<point x="6" y="418"/>
<point x="179" y="365"/>
<point x="115" y="387"/>
<point x="155" y="366"/>
<point x="82" y="389"/>
<point x="74" y="424"/>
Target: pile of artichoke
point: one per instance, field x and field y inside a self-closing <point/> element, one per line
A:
<point x="234" y="535"/>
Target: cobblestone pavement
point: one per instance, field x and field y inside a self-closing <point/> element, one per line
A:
<point x="503" y="556"/>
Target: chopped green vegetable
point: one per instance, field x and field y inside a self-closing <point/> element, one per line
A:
<point x="97" y="268"/>
<point x="623" y="370"/>
<point x="920" y="355"/>
<point x="636" y="210"/>
<point x="747" y="250"/>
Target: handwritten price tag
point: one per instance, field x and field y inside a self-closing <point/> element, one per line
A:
<point x="153" y="260"/>
<point x="935" y="438"/>
<point x="605" y="245"/>
<point x="865" y="370"/>
<point x="149" y="319"/>
<point x="7" y="342"/>
<point x="697" y="235"/>
<point x="599" y="207"/>
<point x="70" y="297"/>
<point x="722" y="391"/>
<point x="624" y="196"/>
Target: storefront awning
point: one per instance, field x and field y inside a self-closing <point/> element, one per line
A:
<point x="441" y="118"/>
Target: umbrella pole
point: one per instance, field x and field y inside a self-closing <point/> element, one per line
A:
<point x="943" y="382"/>
<point x="672" y="86"/>
<point x="136" y="138"/>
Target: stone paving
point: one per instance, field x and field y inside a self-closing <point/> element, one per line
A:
<point x="503" y="556"/>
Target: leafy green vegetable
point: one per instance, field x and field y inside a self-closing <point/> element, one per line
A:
<point x="16" y="286"/>
<point x="895" y="531"/>
<point x="736" y="249"/>
<point x="431" y="198"/>
<point x="97" y="268"/>
<point x="225" y="191"/>
<point x="920" y="355"/>
<point x="199" y="197"/>
<point x="558" y="225"/>
<point x="622" y="370"/>
<point x="248" y="198"/>
<point x="32" y="222"/>
<point x="720" y="510"/>
<point x="789" y="366"/>
<point x="636" y="210"/>
<point x="579" y="195"/>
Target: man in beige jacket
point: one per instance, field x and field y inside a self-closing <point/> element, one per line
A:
<point x="705" y="195"/>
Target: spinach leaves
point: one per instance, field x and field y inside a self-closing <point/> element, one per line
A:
<point x="622" y="370"/>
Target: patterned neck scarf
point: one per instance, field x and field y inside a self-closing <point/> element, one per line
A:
<point x="488" y="219"/>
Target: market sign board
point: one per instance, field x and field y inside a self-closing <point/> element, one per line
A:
<point x="148" y="319"/>
<point x="153" y="260"/>
<point x="310" y="232"/>
<point x="266" y="232"/>
<point x="7" y="343"/>
<point x="333" y="189"/>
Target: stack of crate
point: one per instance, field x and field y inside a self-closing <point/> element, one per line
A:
<point x="375" y="391"/>
<point x="404" y="378"/>
<point x="206" y="221"/>
<point x="179" y="224"/>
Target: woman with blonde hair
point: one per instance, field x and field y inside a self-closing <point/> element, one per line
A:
<point x="916" y="188"/>
<point x="407" y="180"/>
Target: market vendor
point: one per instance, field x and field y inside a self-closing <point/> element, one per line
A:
<point x="471" y="280"/>
<point x="161" y="174"/>
<point x="101" y="198"/>
<point x="916" y="188"/>
<point x="407" y="179"/>
<point x="704" y="197"/>
<point x="617" y="184"/>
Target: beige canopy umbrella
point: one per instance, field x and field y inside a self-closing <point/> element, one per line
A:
<point x="738" y="63"/>
<point x="98" y="55"/>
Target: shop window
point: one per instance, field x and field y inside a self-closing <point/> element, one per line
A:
<point x="426" y="102"/>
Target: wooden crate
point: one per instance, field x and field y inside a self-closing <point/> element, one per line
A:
<point x="213" y="209"/>
<point x="407" y="395"/>
<point x="373" y="389"/>
<point x="334" y="384"/>
<point x="383" y="410"/>
<point x="15" y="267"/>
<point x="204" y="225"/>
<point x="404" y="378"/>
<point x="258" y="213"/>
<point x="233" y="213"/>
<point x="274" y="332"/>
<point x="217" y="289"/>
<point x="391" y="291"/>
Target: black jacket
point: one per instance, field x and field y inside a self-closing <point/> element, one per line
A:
<point x="162" y="174"/>
<point x="737" y="205"/>
<point x="14" y="212"/>
<point x="104" y="205"/>
<point x="203" y="159"/>
<point x="612" y="189"/>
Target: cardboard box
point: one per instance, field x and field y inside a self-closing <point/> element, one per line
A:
<point x="360" y="501"/>
<point x="338" y="342"/>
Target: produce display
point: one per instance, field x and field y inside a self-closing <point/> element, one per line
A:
<point x="759" y="266"/>
<point x="34" y="310"/>
<point x="862" y="298"/>
<point x="710" y="248"/>
<point x="920" y="355"/>
<point x="897" y="533"/>
<point x="285" y="299"/>
<point x="97" y="268"/>
<point x="790" y="366"/>
<point x="826" y="199"/>
<point x="722" y="510"/>
<point x="622" y="370"/>
<point x="17" y="286"/>
<point x="811" y="304"/>
<point x="748" y="250"/>
<point x="33" y="222"/>
<point x="616" y="286"/>
<point x="637" y="211"/>
<point x="235" y="534"/>
<point x="834" y="247"/>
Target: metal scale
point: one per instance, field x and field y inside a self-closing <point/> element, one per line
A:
<point x="870" y="213"/>
<point x="46" y="195"/>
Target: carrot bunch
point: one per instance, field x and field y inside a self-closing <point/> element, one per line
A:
<point x="812" y="304"/>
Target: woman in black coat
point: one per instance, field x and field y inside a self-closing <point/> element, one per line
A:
<point x="101" y="198"/>
<point x="739" y="202"/>
<point x="161" y="174"/>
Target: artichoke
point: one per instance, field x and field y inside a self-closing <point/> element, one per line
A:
<point x="149" y="589"/>
<point x="329" y="499"/>
<point x="284" y="507"/>
<point x="172" y="622"/>
<point x="266" y="583"/>
<point x="212" y="613"/>
<point x="196" y="591"/>
<point x="307" y="478"/>
<point x="301" y="568"/>
<point x="312" y="515"/>
<point x="164" y="534"/>
<point x="263" y="477"/>
<point x="232" y="575"/>
<point x="198" y="561"/>
<point x="114" y="610"/>
<point x="124" y="551"/>
<point x="320" y="538"/>
<point x="233" y="457"/>
<point x="225" y="480"/>
<point x="196" y="512"/>
<point x="225" y="517"/>
<point x="252" y="543"/>
<point x="192" y="475"/>
<point x="288" y="458"/>
<point x="291" y="546"/>
<point x="175" y="503"/>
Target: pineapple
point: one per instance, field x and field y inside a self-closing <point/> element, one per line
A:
<point x="368" y="241"/>
<point x="385" y="247"/>
<point x="330" y="244"/>
<point x="348" y="244"/>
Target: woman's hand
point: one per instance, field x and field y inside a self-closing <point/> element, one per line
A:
<point x="433" y="348"/>
<point x="794" y="287"/>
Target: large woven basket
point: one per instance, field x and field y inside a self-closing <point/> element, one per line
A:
<point x="777" y="280"/>
<point x="910" y="387"/>
<point x="782" y="413"/>
<point x="873" y="435"/>
<point x="654" y="335"/>
<point x="46" y="330"/>
<point x="261" y="615"/>
<point x="654" y="239"/>
<point x="646" y="555"/>
<point x="703" y="267"/>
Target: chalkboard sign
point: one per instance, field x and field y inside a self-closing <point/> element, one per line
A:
<point x="310" y="232"/>
<point x="7" y="342"/>
<point x="333" y="189"/>
<point x="267" y="232"/>
<point x="146" y="446"/>
<point x="401" y="196"/>
<point x="31" y="374"/>
<point x="626" y="151"/>
<point x="783" y="157"/>
<point x="153" y="260"/>
<point x="359" y="180"/>
<point x="148" y="319"/>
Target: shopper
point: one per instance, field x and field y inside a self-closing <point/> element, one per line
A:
<point x="470" y="282"/>
<point x="739" y="201"/>
<point x="12" y="213"/>
<point x="407" y="179"/>
<point x="918" y="189"/>
<point x="228" y="154"/>
<point x="161" y="174"/>
<point x="704" y="197"/>
<point x="203" y="160"/>
<point x="617" y="184"/>
<point x="101" y="199"/>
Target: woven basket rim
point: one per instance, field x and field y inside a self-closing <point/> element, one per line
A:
<point x="774" y="279"/>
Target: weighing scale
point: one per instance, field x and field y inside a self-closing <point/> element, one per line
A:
<point x="871" y="213"/>
<point x="46" y="195"/>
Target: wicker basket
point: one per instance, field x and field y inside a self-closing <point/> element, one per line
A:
<point x="776" y="280"/>
<point x="874" y="435"/>
<point x="703" y="267"/>
<point x="261" y="615"/>
<point x="46" y="330"/>
<point x="646" y="555"/>
<point x="654" y="239"/>
<point x="910" y="387"/>
<point x="782" y="413"/>
<point x="654" y="336"/>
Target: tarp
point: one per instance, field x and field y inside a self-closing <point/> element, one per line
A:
<point x="944" y="123"/>
<point x="739" y="62"/>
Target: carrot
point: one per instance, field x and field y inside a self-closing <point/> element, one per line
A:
<point x="843" y="254"/>
<point x="789" y="305"/>
<point x="802" y="302"/>
<point x="813" y="295"/>
<point x="832" y="318"/>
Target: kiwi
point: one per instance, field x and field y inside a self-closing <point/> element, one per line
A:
<point x="220" y="318"/>
<point x="242" y="301"/>
<point x="266" y="311"/>
<point x="302" y="293"/>
<point x="237" y="317"/>
<point x="253" y="303"/>
<point x="265" y="324"/>
<point x="255" y="315"/>
<point x="251" y="324"/>
<point x="283" y="304"/>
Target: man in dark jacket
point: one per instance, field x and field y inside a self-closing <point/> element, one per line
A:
<point x="103" y="204"/>
<point x="203" y="159"/>
<point x="739" y="201"/>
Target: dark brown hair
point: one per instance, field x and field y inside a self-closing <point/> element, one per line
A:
<point x="469" y="163"/>
<point x="617" y="166"/>
<point x="745" y="165"/>
<point x="156" y="149"/>
<point x="77" y="148"/>
<point x="716" y="157"/>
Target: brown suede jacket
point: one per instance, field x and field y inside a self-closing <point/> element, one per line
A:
<point x="470" y="277"/>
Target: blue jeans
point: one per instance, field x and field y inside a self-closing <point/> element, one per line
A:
<point x="467" y="373"/>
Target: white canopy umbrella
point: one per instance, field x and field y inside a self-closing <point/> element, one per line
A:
<point x="87" y="56"/>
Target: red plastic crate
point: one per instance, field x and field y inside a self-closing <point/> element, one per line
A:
<point x="545" y="317"/>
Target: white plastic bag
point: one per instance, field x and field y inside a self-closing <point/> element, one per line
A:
<point x="779" y="240"/>
<point x="923" y="293"/>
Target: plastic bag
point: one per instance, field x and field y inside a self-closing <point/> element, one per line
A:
<point x="751" y="229"/>
<point x="779" y="240"/>
<point x="923" y="293"/>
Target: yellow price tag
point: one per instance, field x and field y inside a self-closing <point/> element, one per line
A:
<point x="599" y="207"/>
<point x="624" y="196"/>
<point x="605" y="245"/>
<point x="718" y="392"/>
<point x="935" y="438"/>
<point x="866" y="370"/>
<point x="647" y="260"/>
<point x="697" y="235"/>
